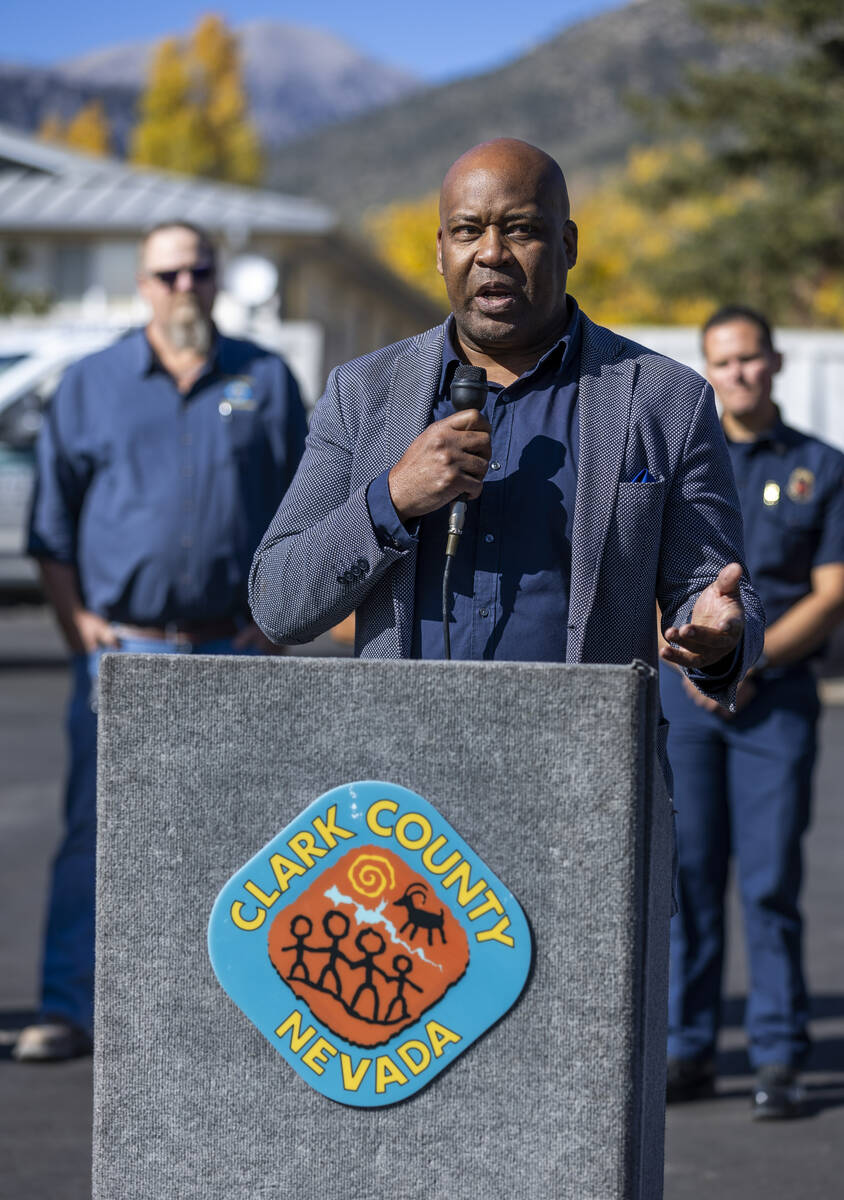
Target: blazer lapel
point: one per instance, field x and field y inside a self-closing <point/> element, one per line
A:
<point x="604" y="399"/>
<point x="410" y="402"/>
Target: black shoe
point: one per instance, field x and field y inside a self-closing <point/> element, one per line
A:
<point x="777" y="1094"/>
<point x="689" y="1079"/>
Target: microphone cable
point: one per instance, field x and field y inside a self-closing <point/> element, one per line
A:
<point x="468" y="390"/>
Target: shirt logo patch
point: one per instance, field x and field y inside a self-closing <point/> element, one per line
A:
<point x="369" y="944"/>
<point x="771" y="493"/>
<point x="238" y="396"/>
<point x="801" y="485"/>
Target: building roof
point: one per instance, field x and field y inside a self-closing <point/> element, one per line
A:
<point x="45" y="188"/>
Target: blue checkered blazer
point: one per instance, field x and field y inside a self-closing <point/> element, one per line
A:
<point x="632" y="542"/>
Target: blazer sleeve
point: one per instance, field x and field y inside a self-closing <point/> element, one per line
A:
<point x="320" y="556"/>
<point x="702" y="532"/>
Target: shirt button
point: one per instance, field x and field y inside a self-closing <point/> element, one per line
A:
<point x="484" y="612"/>
<point x="187" y="541"/>
<point x="489" y="537"/>
<point x="495" y="466"/>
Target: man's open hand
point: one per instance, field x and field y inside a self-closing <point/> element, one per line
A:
<point x="715" y="628"/>
<point x="449" y="458"/>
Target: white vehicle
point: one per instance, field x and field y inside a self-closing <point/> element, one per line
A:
<point x="33" y="358"/>
<point x="31" y="364"/>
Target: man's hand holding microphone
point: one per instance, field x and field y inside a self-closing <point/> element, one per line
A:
<point x="450" y="458"/>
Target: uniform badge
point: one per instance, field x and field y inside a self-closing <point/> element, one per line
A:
<point x="771" y="493"/>
<point x="238" y="396"/>
<point x="369" y="944"/>
<point x="801" y="485"/>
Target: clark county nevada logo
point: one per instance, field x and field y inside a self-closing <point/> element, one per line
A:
<point x="369" y="944"/>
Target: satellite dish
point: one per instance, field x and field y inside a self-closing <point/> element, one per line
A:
<point x="251" y="279"/>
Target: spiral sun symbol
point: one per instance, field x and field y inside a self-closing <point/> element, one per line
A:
<point x="371" y="874"/>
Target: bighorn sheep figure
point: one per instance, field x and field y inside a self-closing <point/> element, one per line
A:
<point x="418" y="917"/>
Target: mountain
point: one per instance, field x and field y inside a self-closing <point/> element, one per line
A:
<point x="29" y="94"/>
<point x="568" y="95"/>
<point x="298" y="79"/>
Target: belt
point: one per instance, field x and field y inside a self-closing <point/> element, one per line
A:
<point x="185" y="633"/>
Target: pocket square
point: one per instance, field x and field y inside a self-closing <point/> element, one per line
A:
<point x="644" y="476"/>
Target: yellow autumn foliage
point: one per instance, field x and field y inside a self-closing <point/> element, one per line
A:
<point x="617" y="240"/>
<point x="88" y="130"/>
<point x="620" y="239"/>
<point x="621" y="243"/>
<point x="827" y="303"/>
<point x="194" y="111"/>
<point x="52" y="129"/>
<point x="404" y="235"/>
<point x="215" y="64"/>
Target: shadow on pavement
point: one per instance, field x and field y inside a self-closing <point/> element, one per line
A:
<point x="43" y="662"/>
<point x="822" y="1008"/>
<point x="826" y="1058"/>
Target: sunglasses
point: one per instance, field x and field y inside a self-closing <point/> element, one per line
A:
<point x="168" y="278"/>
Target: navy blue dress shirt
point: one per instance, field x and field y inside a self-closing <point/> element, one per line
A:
<point x="511" y="575"/>
<point x="159" y="499"/>
<point x="791" y="489"/>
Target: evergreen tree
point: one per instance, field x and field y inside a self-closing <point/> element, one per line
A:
<point x="775" y="142"/>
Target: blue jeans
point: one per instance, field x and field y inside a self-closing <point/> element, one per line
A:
<point x="742" y="788"/>
<point x="67" y="983"/>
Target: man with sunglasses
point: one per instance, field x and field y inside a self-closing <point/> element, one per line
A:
<point x="161" y="462"/>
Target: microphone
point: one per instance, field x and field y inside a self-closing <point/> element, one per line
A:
<point x="468" y="390"/>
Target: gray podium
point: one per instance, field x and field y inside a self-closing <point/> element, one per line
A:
<point x="548" y="772"/>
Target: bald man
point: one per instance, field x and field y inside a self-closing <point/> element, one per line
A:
<point x="597" y="472"/>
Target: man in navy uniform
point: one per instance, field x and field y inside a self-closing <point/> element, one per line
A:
<point x="742" y="781"/>
<point x="161" y="462"/>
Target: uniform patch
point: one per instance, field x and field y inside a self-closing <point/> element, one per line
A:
<point x="801" y="485"/>
<point x="771" y="493"/>
<point x="369" y="944"/>
<point x="238" y="396"/>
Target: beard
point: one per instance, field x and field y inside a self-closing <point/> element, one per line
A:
<point x="189" y="328"/>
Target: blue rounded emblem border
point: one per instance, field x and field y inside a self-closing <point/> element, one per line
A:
<point x="494" y="979"/>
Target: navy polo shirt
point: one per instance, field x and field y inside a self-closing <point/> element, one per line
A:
<point x="791" y="489"/>
<point x="511" y="575"/>
<point x="159" y="499"/>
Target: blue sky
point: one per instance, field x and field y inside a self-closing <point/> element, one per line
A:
<point x="435" y="39"/>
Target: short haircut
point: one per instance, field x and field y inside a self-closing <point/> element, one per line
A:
<point x="740" y="312"/>
<point x="202" y="235"/>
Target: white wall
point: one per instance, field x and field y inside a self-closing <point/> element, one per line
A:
<point x="810" y="389"/>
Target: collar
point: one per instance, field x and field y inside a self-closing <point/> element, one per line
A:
<point x="562" y="353"/>
<point x="146" y="360"/>
<point x="777" y="436"/>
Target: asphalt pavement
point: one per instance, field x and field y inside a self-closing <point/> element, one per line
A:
<point x="713" y="1149"/>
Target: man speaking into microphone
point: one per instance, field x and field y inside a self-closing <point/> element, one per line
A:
<point x="596" y="472"/>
